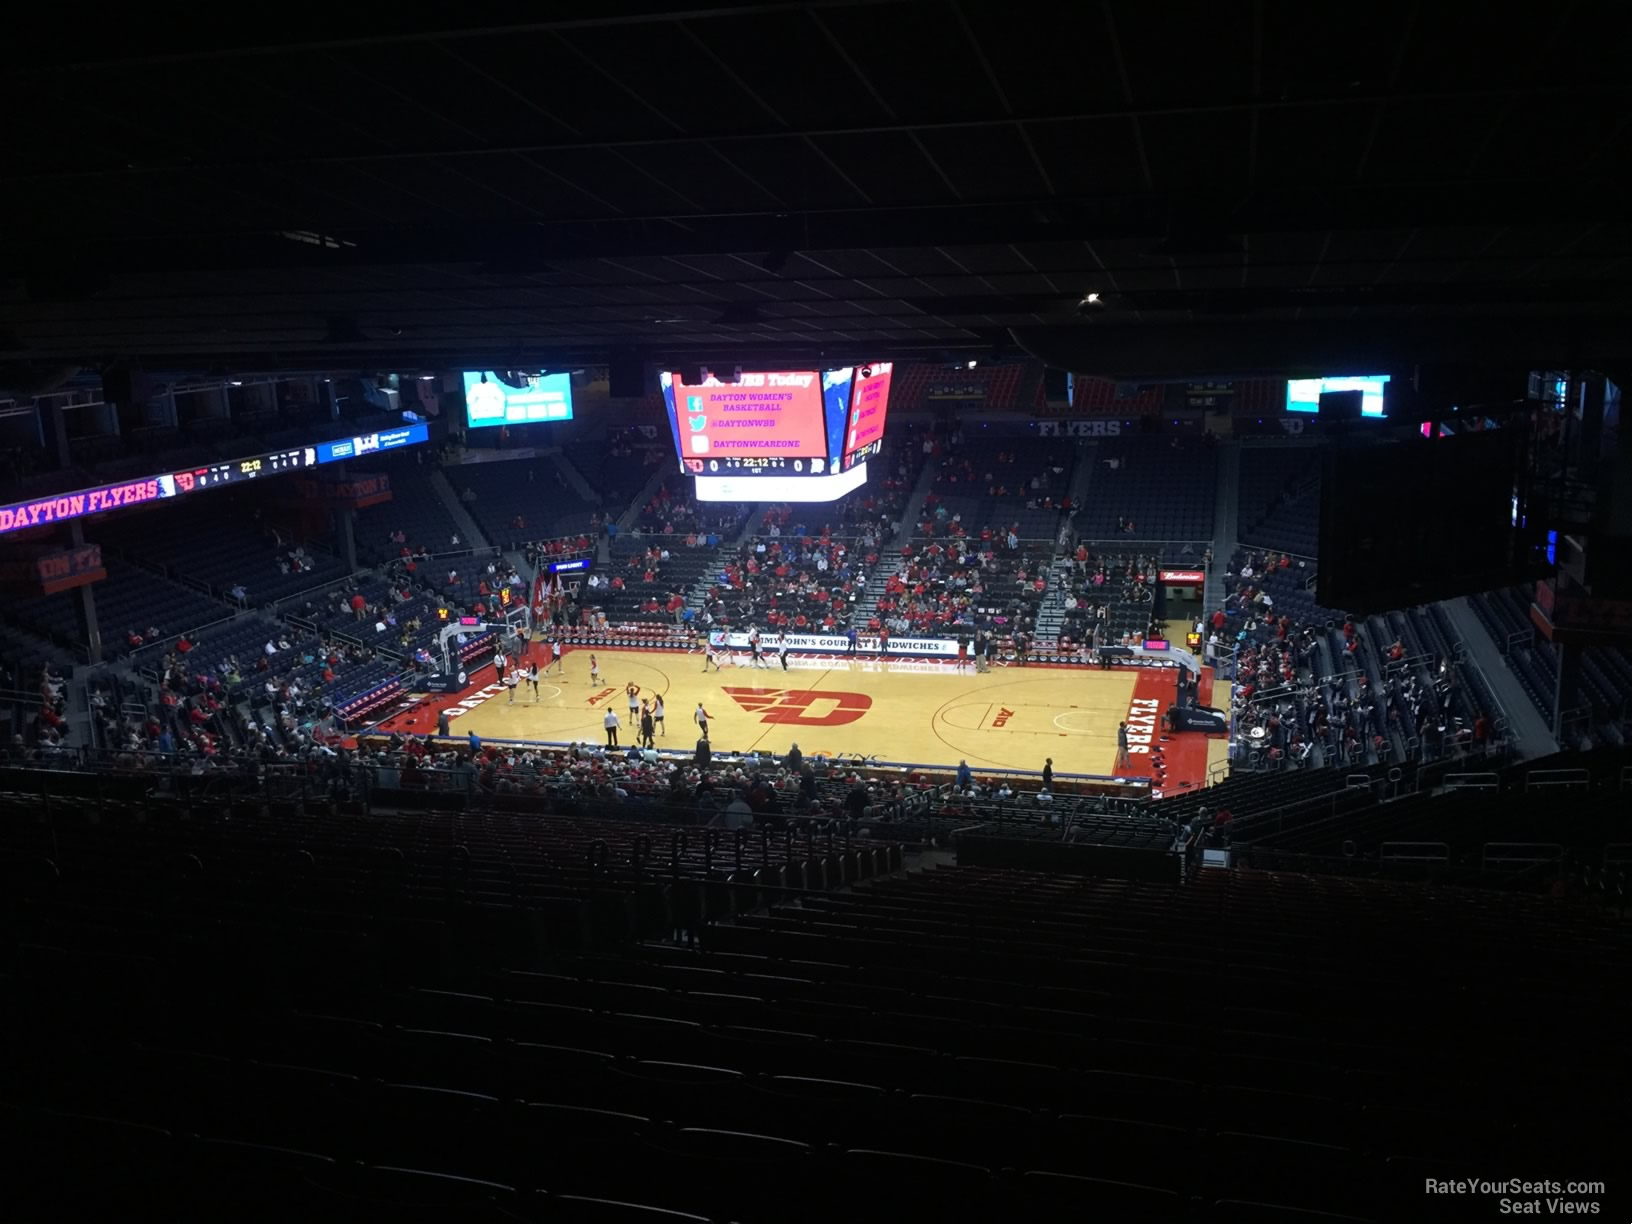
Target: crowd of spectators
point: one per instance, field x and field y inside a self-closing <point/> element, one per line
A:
<point x="677" y="512"/>
<point x="961" y="585"/>
<point x="1109" y="598"/>
<point x="729" y="790"/>
<point x="794" y="583"/>
<point x="1038" y="482"/>
<point x="277" y="700"/>
<point x="1306" y="690"/>
<point x="46" y="730"/>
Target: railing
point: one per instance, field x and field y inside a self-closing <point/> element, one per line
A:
<point x="1523" y="855"/>
<point x="1519" y="637"/>
<point x="1414" y="852"/>
<point x="1575" y="720"/>
<point x="1248" y="826"/>
<point x="1464" y="659"/>
<point x="1494" y="750"/>
<point x="1128" y="543"/>
<point x="306" y="593"/>
<point x="1472" y="781"/>
<point x="1560" y="779"/>
<point x="146" y="651"/>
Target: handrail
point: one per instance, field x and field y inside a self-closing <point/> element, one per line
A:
<point x="147" y="648"/>
<point x="1412" y="852"/>
<point x="1472" y="781"/>
<point x="1520" y="852"/>
<point x="1566" y="779"/>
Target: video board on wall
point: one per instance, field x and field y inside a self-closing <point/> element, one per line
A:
<point x="489" y="400"/>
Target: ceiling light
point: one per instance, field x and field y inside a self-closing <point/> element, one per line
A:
<point x="970" y="364"/>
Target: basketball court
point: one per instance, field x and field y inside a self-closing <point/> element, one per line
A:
<point x="904" y="711"/>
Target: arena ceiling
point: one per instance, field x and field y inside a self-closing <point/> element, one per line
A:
<point x="1246" y="185"/>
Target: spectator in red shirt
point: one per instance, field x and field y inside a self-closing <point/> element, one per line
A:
<point x="358" y="603"/>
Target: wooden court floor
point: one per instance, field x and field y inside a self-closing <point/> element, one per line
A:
<point x="901" y="711"/>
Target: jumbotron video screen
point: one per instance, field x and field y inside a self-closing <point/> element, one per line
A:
<point x="777" y="435"/>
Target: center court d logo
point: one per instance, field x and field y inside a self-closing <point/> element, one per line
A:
<point x="786" y="707"/>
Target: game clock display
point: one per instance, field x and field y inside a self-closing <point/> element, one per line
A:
<point x="765" y="466"/>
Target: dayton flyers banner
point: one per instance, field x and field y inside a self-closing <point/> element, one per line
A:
<point x="837" y="643"/>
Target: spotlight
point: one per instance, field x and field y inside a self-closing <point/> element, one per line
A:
<point x="1090" y="303"/>
<point x="970" y="364"/>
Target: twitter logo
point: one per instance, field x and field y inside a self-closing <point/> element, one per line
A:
<point x="697" y="423"/>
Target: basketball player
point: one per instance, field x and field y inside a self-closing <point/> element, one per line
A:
<point x="754" y="656"/>
<point x="511" y="679"/>
<point x="700" y="715"/>
<point x="782" y="649"/>
<point x="710" y="656"/>
<point x="632" y="690"/>
<point x="594" y="669"/>
<point x="555" y="657"/>
<point x="647" y="726"/>
<point x="963" y="653"/>
<point x="532" y="678"/>
<point x="657" y="714"/>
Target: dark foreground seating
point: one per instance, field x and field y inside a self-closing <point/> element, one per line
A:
<point x="273" y="1015"/>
